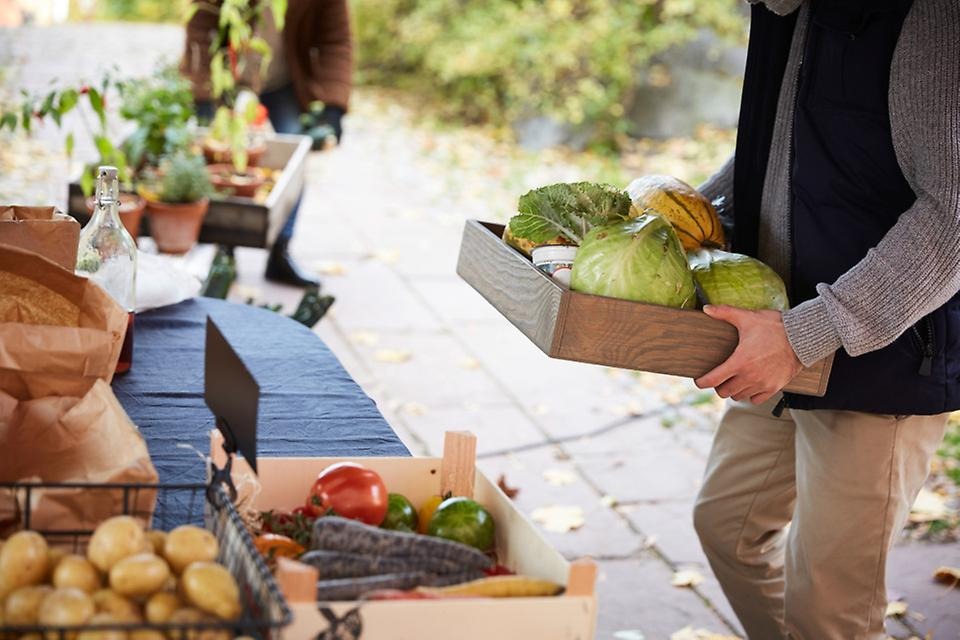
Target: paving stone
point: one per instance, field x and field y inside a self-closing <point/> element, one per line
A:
<point x="604" y="533"/>
<point x="636" y="594"/>
<point x="910" y="570"/>
<point x="497" y="426"/>
<point x="454" y="300"/>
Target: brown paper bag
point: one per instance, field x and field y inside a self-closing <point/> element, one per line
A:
<point x="44" y="230"/>
<point x="59" y="333"/>
<point x="69" y="439"/>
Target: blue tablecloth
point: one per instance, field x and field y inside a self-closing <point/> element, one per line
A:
<point x="309" y="405"/>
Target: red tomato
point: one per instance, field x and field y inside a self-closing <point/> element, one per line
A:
<point x="350" y="491"/>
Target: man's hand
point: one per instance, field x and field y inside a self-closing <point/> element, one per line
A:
<point x="763" y="362"/>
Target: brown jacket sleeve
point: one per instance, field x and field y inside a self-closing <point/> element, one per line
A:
<point x="319" y="53"/>
<point x="195" y="64"/>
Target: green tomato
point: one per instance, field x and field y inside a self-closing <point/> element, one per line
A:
<point x="401" y="516"/>
<point x="465" y="521"/>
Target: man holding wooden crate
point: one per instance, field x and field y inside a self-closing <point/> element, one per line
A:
<point x="846" y="180"/>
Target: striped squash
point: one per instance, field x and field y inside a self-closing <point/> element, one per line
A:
<point x="691" y="214"/>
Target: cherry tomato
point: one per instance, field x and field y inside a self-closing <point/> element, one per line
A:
<point x="426" y="512"/>
<point x="350" y="491"/>
<point x="273" y="545"/>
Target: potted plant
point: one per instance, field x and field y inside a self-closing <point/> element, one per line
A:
<point x="177" y="201"/>
<point x="234" y="170"/>
<point x="162" y="108"/>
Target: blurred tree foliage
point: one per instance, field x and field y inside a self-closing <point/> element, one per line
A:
<point x="576" y="61"/>
<point x="133" y="10"/>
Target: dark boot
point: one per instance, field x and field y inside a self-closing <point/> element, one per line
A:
<point x="282" y="268"/>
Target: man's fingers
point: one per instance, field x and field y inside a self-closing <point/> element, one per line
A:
<point x="732" y="388"/>
<point x="720" y="374"/>
<point x="726" y="313"/>
<point x="760" y="398"/>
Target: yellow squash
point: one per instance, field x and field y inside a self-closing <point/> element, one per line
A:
<point x="690" y="213"/>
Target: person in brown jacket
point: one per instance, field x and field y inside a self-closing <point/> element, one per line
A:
<point x="312" y="63"/>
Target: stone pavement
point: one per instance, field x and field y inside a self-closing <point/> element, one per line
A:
<point x="381" y="221"/>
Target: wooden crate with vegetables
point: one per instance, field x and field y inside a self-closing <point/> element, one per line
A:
<point x="430" y="539"/>
<point x="595" y="274"/>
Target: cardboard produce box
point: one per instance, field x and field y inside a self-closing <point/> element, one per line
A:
<point x="599" y="330"/>
<point x="44" y="230"/>
<point x="283" y="483"/>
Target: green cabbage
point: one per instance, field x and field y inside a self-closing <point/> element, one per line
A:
<point x="568" y="210"/>
<point x="640" y="260"/>
<point x="737" y="280"/>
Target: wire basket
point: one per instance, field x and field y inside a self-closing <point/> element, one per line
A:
<point x="264" y="610"/>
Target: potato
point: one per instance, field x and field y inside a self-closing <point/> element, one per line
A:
<point x="146" y="634"/>
<point x="210" y="587"/>
<point x="23" y="560"/>
<point x="104" y="634"/>
<point x="139" y="576"/>
<point x="107" y="601"/>
<point x="114" y="540"/>
<point x="161" y="606"/>
<point x="193" y="616"/>
<point x="157" y="539"/>
<point x="64" y="607"/>
<point x="76" y="571"/>
<point x="23" y="604"/>
<point x="54" y="556"/>
<point x="188" y="544"/>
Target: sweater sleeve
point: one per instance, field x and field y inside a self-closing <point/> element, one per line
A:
<point x="718" y="189"/>
<point x="916" y="266"/>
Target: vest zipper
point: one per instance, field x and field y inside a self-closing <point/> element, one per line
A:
<point x="925" y="340"/>
<point x="783" y="404"/>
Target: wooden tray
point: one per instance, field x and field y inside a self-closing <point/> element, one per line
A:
<point x="284" y="482"/>
<point x="599" y="330"/>
<point x="241" y="222"/>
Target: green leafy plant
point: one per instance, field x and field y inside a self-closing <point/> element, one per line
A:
<point x="57" y="103"/>
<point x="950" y="449"/>
<point x="183" y="178"/>
<point x="161" y="106"/>
<point x="230" y="129"/>
<point x="575" y="61"/>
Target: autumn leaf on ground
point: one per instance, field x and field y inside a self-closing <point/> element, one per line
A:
<point x="947" y="575"/>
<point x="559" y="477"/>
<point x="414" y="408"/>
<point x="628" y="634"/>
<point x="364" y="338"/>
<point x="929" y="506"/>
<point x="393" y="356"/>
<point x="558" y="518"/>
<point x="469" y="363"/>
<point x="896" y="609"/>
<point x="329" y="268"/>
<point x="686" y="578"/>
<point x="386" y="256"/>
<point x="510" y="492"/>
<point x="608" y="501"/>
<point x="689" y="633"/>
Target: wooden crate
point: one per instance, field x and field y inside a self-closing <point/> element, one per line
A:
<point x="284" y="483"/>
<point x="241" y="222"/>
<point x="600" y="330"/>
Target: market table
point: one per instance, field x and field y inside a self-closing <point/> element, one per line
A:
<point x="309" y="405"/>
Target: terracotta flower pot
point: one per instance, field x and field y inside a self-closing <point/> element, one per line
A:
<point x="176" y="227"/>
<point x="218" y="153"/>
<point x="131" y="212"/>
<point x="228" y="182"/>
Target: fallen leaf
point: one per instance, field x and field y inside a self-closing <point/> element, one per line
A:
<point x="510" y="492"/>
<point x="608" y="501"/>
<point x="414" y="408"/>
<point x="559" y="477"/>
<point x="689" y="633"/>
<point x="628" y="634"/>
<point x="329" y="268"/>
<point x="469" y="363"/>
<point x="393" y="356"/>
<point x="929" y="506"/>
<point x="364" y="338"/>
<point x="558" y="518"/>
<point x="947" y="575"/>
<point x="896" y="609"/>
<point x="686" y="578"/>
<point x="386" y="256"/>
<point x="648" y="542"/>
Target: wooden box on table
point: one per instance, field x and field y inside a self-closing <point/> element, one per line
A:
<point x="235" y="221"/>
<point x="285" y="481"/>
<point x="599" y="330"/>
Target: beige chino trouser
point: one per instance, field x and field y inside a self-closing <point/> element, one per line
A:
<point x="843" y="481"/>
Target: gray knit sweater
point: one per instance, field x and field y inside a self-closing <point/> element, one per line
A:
<point x="916" y="267"/>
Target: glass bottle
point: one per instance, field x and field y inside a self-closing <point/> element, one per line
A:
<point x="108" y="255"/>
